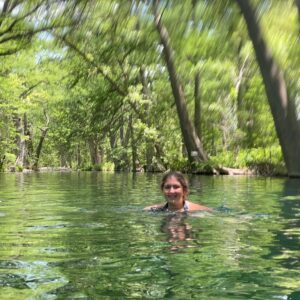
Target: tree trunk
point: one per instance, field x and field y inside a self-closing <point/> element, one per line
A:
<point x="149" y="142"/>
<point x="240" y="84"/>
<point x="2" y="160"/>
<point x="94" y="152"/>
<point x="41" y="142"/>
<point x="20" y="140"/>
<point x="297" y="2"/>
<point x="63" y="158"/>
<point x="197" y="99"/>
<point x="191" y="140"/>
<point x="283" y="109"/>
<point x="78" y="156"/>
<point x="124" y="134"/>
<point x="134" y="156"/>
<point x="39" y="148"/>
<point x="113" y="145"/>
<point x="24" y="142"/>
<point x="28" y="144"/>
<point x="124" y="140"/>
<point x="160" y="165"/>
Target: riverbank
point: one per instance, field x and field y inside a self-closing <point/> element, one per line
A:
<point x="267" y="170"/>
<point x="42" y="169"/>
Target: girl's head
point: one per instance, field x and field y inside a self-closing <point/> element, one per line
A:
<point x="174" y="182"/>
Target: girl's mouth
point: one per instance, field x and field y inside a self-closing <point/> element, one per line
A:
<point x="172" y="197"/>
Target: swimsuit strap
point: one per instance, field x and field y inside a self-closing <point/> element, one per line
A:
<point x="165" y="207"/>
<point x="185" y="206"/>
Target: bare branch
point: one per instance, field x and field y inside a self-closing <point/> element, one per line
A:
<point x="9" y="52"/>
<point x="5" y="6"/>
<point x="9" y="6"/>
<point x="11" y="26"/>
<point x="14" y="4"/>
<point x="30" y="89"/>
<point x="30" y="33"/>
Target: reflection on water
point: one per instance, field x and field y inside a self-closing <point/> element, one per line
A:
<point x="85" y="236"/>
<point x="177" y="230"/>
<point x="286" y="251"/>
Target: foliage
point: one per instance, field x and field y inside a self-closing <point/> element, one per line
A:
<point x="263" y="161"/>
<point x="103" y="86"/>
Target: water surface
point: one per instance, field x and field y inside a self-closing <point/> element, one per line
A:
<point x="86" y="236"/>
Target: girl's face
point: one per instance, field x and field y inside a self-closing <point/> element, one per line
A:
<point x="173" y="191"/>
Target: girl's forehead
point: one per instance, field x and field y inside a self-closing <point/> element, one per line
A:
<point x="173" y="179"/>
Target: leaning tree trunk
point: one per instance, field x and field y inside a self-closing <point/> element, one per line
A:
<point x="40" y="144"/>
<point x="297" y="2"/>
<point x="283" y="109"/>
<point x="197" y="112"/>
<point x="240" y="84"/>
<point x="191" y="140"/>
<point x="39" y="148"/>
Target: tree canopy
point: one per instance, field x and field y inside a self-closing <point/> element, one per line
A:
<point x="150" y="85"/>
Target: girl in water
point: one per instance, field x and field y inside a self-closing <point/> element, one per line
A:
<point x="174" y="186"/>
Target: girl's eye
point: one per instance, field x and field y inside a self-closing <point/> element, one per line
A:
<point x="174" y="186"/>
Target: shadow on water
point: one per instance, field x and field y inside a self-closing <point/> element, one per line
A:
<point x="288" y="236"/>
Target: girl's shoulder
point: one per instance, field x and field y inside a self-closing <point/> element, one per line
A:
<point x="198" y="207"/>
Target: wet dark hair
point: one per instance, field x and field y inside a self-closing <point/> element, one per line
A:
<point x="179" y="176"/>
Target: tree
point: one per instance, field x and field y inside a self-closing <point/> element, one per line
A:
<point x="118" y="92"/>
<point x="297" y="2"/>
<point x="282" y="106"/>
<point x="21" y="20"/>
<point x="192" y="142"/>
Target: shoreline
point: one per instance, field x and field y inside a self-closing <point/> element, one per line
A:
<point x="219" y="171"/>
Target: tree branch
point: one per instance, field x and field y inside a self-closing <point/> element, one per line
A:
<point x="88" y="60"/>
<point x="28" y="91"/>
<point x="11" y="26"/>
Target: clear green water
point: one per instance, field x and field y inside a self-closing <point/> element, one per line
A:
<point x="85" y="236"/>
